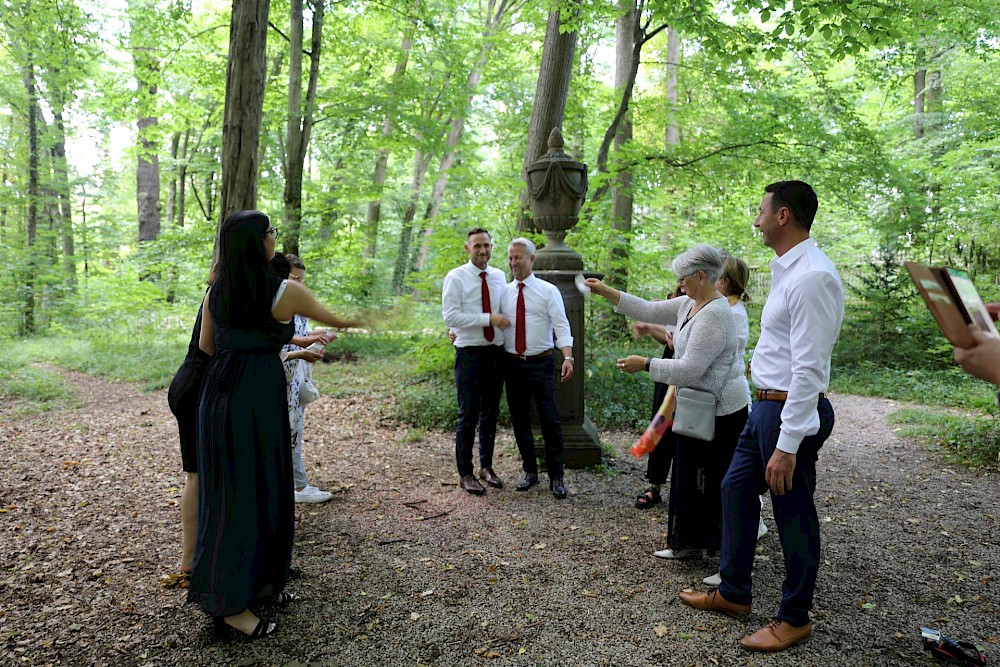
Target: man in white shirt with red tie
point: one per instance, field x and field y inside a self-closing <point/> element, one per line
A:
<point x="788" y="425"/>
<point x="470" y="305"/>
<point x="536" y="309"/>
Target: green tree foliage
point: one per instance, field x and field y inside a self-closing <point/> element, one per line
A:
<point x="822" y="90"/>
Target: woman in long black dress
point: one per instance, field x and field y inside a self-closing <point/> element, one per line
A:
<point x="182" y="397"/>
<point x="245" y="520"/>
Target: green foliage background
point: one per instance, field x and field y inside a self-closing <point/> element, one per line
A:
<point x="821" y="90"/>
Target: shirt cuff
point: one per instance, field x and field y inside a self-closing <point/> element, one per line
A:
<point x="789" y="443"/>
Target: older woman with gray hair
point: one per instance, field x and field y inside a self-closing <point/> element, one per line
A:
<point x="705" y="358"/>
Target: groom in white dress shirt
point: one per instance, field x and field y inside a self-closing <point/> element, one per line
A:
<point x="470" y="306"/>
<point x="535" y="308"/>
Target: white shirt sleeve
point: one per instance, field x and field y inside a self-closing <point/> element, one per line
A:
<point x="451" y="306"/>
<point x="560" y="323"/>
<point x="815" y="324"/>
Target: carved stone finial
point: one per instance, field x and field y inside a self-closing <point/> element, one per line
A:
<point x="555" y="140"/>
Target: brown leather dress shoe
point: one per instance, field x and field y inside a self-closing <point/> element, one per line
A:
<point x="472" y="485"/>
<point x="490" y="477"/>
<point x="776" y="636"/>
<point x="712" y="600"/>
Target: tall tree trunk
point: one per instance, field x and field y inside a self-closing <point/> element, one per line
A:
<point x="332" y="203"/>
<point x="551" y="92"/>
<point x="175" y="147"/>
<point x="293" y="132"/>
<point x="60" y="172"/>
<point x="457" y="123"/>
<point x="300" y="118"/>
<point x="382" y="159"/>
<point x="401" y="270"/>
<point x="919" y="92"/>
<point x="147" y="171"/>
<point x="621" y="199"/>
<point x="934" y="99"/>
<point x="3" y="204"/>
<point x="672" y="134"/>
<point x="673" y="52"/>
<point x="147" y="180"/>
<point x="245" y="77"/>
<point x="642" y="35"/>
<point x="182" y="165"/>
<point x="30" y="264"/>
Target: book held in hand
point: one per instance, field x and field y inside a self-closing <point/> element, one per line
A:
<point x="952" y="298"/>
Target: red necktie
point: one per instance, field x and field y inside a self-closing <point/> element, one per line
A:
<point x="487" y="307"/>
<point x="519" y="338"/>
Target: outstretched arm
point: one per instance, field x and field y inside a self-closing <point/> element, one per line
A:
<point x="600" y="289"/>
<point x="298" y="300"/>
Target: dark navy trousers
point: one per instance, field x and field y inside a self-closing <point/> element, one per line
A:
<point x="794" y="512"/>
<point x="479" y="380"/>
<point x="535" y="379"/>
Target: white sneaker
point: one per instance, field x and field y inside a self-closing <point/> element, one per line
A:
<point x="714" y="580"/>
<point x="311" y="494"/>
<point x="761" y="529"/>
<point x="680" y="553"/>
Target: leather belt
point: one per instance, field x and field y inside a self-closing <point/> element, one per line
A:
<point x="775" y="395"/>
<point x="532" y="357"/>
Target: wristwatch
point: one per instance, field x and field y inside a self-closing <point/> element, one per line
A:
<point x="570" y="360"/>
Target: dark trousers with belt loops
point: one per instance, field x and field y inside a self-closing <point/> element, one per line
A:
<point x="535" y="379"/>
<point x="794" y="512"/>
<point x="479" y="380"/>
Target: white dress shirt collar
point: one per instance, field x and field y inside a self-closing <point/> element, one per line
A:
<point x="780" y="264"/>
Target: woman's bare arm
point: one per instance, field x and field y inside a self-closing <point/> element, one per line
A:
<point x="206" y="339"/>
<point x="298" y="300"/>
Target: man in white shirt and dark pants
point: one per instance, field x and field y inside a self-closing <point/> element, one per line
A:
<point x="536" y="309"/>
<point x="470" y="305"/>
<point x="788" y="425"/>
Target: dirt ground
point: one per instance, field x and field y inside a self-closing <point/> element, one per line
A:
<point x="403" y="568"/>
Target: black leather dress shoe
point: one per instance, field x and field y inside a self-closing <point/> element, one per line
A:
<point x="472" y="485"/>
<point x="557" y="488"/>
<point x="491" y="478"/>
<point x="530" y="479"/>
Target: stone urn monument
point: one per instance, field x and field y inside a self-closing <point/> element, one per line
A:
<point x="557" y="187"/>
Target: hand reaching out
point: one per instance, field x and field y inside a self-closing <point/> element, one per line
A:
<point x="631" y="364"/>
<point x="983" y="360"/>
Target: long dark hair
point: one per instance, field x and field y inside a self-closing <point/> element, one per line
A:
<point x="244" y="286"/>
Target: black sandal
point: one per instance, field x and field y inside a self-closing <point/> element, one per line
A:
<point x="648" y="498"/>
<point x="224" y="631"/>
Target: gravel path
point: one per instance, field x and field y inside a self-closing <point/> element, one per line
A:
<point x="403" y="568"/>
